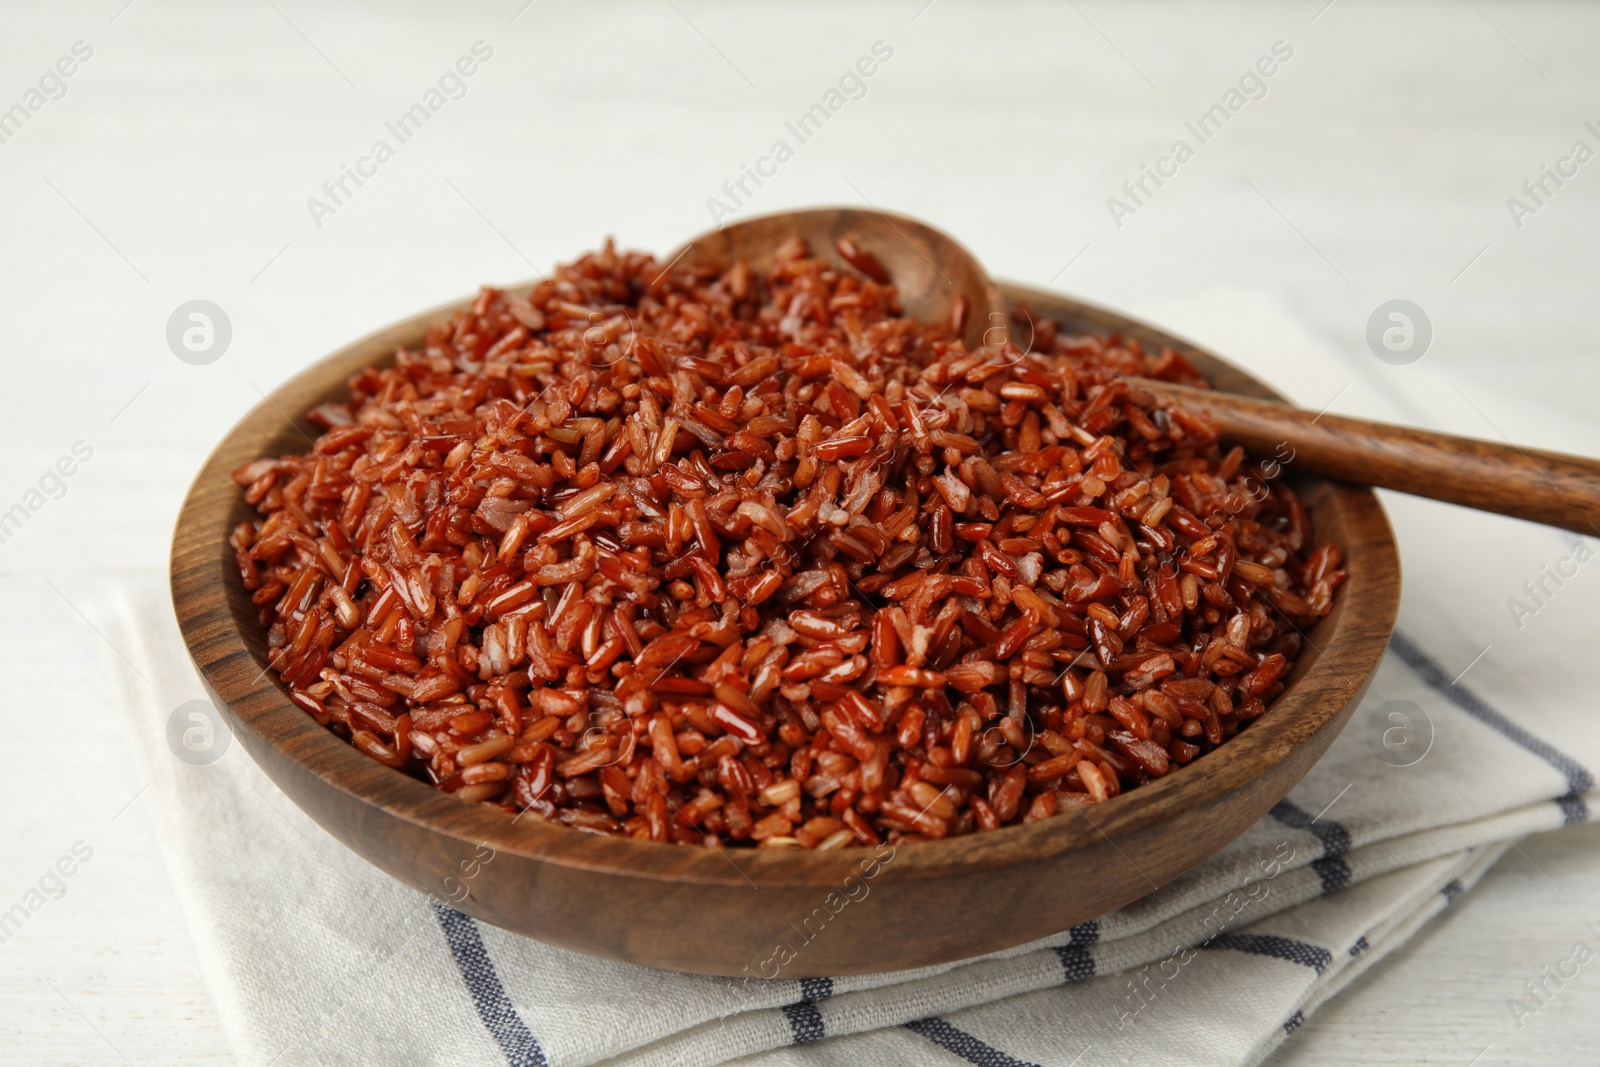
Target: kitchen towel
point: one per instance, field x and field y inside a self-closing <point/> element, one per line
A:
<point x="315" y="957"/>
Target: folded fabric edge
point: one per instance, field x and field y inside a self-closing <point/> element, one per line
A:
<point x="130" y="623"/>
<point x="752" y="1032"/>
<point x="1040" y="967"/>
<point x="1383" y="939"/>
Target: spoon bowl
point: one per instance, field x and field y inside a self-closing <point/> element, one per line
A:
<point x="937" y="279"/>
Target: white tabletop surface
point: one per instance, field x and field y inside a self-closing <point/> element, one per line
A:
<point x="176" y="162"/>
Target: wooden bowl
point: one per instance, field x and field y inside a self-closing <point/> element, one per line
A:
<point x="714" y="911"/>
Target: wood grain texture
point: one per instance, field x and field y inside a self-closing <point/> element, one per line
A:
<point x="722" y="911"/>
<point x="1526" y="483"/>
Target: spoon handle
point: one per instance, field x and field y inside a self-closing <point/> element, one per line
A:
<point x="1545" y="487"/>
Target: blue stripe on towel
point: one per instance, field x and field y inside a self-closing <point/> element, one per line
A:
<point x="1579" y="780"/>
<point x="805" y="1018"/>
<point x="1331" y="868"/>
<point x="815" y="989"/>
<point x="954" y="1039"/>
<point x="499" y="1015"/>
<point x="1076" y="961"/>
<point x="1282" y="948"/>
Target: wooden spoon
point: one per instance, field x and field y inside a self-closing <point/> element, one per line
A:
<point x="938" y="280"/>
<point x="1545" y="487"/>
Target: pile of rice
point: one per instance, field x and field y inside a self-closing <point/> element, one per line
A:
<point x="744" y="560"/>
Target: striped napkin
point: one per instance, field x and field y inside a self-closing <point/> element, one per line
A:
<point x="315" y="957"/>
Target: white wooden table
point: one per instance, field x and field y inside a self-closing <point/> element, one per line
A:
<point x="176" y="163"/>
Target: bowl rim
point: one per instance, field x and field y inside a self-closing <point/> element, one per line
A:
<point x="207" y="594"/>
